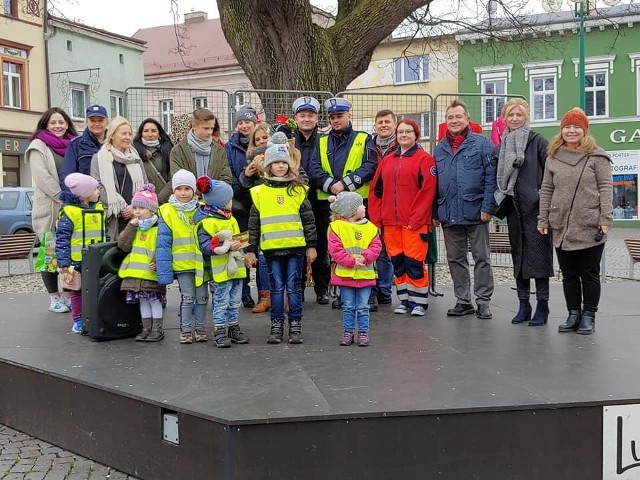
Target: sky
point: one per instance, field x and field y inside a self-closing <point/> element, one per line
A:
<point x="125" y="17"/>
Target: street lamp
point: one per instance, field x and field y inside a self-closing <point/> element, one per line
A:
<point x="582" y="8"/>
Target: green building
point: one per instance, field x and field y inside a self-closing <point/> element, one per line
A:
<point x="539" y="61"/>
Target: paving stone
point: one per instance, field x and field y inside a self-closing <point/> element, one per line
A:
<point x="35" y="475"/>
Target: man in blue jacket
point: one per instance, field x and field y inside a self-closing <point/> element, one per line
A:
<point x="77" y="159"/>
<point x="345" y="159"/>
<point x="466" y="182"/>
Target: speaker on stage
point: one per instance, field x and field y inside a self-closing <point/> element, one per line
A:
<point x="106" y="314"/>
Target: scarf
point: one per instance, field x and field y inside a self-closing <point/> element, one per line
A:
<point x="511" y="158"/>
<point x="147" y="223"/>
<point x="153" y="143"/>
<point x="106" y="156"/>
<point x="385" y="143"/>
<point x="183" y="207"/>
<point x="202" y="147"/>
<point x="244" y="141"/>
<point x="456" y="140"/>
<point x="57" y="144"/>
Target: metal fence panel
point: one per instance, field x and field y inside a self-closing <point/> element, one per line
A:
<point x="173" y="107"/>
<point x="418" y="106"/>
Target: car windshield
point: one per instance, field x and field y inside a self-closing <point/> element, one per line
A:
<point x="9" y="200"/>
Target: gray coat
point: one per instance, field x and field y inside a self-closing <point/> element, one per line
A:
<point x="532" y="252"/>
<point x="575" y="201"/>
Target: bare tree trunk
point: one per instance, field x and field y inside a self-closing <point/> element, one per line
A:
<point x="279" y="47"/>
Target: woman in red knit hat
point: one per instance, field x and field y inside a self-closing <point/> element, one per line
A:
<point x="576" y="204"/>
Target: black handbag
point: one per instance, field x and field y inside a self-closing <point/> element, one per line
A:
<point x="504" y="205"/>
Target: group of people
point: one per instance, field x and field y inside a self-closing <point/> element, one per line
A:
<point x="354" y="210"/>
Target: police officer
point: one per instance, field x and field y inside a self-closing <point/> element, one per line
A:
<point x="344" y="159"/>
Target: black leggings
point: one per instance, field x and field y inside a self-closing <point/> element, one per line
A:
<point x="50" y="281"/>
<point x="581" y="277"/>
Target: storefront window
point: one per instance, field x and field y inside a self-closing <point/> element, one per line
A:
<point x="625" y="196"/>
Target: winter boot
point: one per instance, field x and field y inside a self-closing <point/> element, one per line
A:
<point x="587" y="324"/>
<point x="264" y="303"/>
<point x="524" y="312"/>
<point x="275" y="335"/>
<point x="147" y="323"/>
<point x="156" y="331"/>
<point x="295" y="332"/>
<point x="541" y="315"/>
<point x="236" y="335"/>
<point x="220" y="338"/>
<point x="572" y="322"/>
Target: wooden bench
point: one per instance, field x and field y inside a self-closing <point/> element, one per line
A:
<point x="633" y="247"/>
<point x="17" y="246"/>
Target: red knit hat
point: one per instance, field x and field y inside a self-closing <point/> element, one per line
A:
<point x="576" y="117"/>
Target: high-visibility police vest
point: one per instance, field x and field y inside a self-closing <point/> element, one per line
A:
<point x="354" y="161"/>
<point x="88" y="227"/>
<point x="185" y="254"/>
<point x="280" y="222"/>
<point x="143" y="252"/>
<point x="355" y="238"/>
<point x="212" y="226"/>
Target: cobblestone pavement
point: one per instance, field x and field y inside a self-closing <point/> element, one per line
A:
<point x="23" y="457"/>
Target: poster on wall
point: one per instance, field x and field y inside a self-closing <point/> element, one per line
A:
<point x="625" y="184"/>
<point x="621" y="442"/>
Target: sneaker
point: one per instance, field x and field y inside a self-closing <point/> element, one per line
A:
<point x="419" y="311"/>
<point x="77" y="326"/>
<point x="201" y="336"/>
<point x="337" y="304"/>
<point x="384" y="299"/>
<point x="401" y="309"/>
<point x="220" y="338"/>
<point x="363" y="339"/>
<point x="236" y="335"/>
<point x="295" y="332"/>
<point x="186" y="338"/>
<point x="373" y="303"/>
<point x="347" y="339"/>
<point x="461" y="309"/>
<point x="57" y="305"/>
<point x="67" y="301"/>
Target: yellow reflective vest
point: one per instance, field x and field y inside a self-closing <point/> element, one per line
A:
<point x="185" y="254"/>
<point x="354" y="161"/>
<point x="143" y="252"/>
<point x="213" y="225"/>
<point x="280" y="222"/>
<point x="355" y="238"/>
<point x="88" y="227"/>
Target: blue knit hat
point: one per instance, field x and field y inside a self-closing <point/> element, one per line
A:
<point x="215" y="193"/>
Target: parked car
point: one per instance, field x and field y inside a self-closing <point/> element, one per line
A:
<point x="16" y="204"/>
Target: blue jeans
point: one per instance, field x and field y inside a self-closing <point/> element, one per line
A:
<point x="227" y="297"/>
<point x="385" y="272"/>
<point x="285" y="272"/>
<point x="355" y="302"/>
<point x="262" y="274"/>
<point x="193" y="301"/>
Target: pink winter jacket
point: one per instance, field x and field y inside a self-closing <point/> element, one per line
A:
<point x="344" y="258"/>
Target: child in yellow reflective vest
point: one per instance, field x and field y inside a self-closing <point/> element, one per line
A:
<point x="215" y="227"/>
<point x="354" y="245"/>
<point x="81" y="221"/>
<point x="138" y="269"/>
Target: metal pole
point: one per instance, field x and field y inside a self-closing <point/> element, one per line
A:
<point x="582" y="9"/>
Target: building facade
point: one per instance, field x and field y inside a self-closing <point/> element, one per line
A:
<point x="542" y="65"/>
<point x="23" y="85"/>
<point x="88" y="65"/>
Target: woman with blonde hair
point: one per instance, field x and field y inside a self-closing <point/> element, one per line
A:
<point x="522" y="155"/>
<point x="576" y="203"/>
<point x="120" y="173"/>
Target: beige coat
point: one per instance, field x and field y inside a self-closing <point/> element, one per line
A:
<point x="46" y="184"/>
<point x="573" y="203"/>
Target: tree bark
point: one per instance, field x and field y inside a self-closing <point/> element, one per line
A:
<point x="279" y="47"/>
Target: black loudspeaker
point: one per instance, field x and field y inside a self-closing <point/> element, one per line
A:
<point x="106" y="315"/>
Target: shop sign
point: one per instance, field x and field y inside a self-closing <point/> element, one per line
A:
<point x="620" y="441"/>
<point x="13" y="145"/>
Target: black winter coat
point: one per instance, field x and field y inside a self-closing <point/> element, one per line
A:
<point x="532" y="253"/>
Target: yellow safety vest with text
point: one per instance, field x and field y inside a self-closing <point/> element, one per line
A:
<point x="219" y="263"/>
<point x="88" y="227"/>
<point x="143" y="252"/>
<point x="280" y="222"/>
<point x="355" y="238"/>
<point x="354" y="161"/>
<point x="185" y="254"/>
